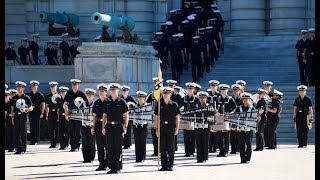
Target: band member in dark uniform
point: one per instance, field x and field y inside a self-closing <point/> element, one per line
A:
<point x="302" y="107"/>
<point x="65" y="55"/>
<point x="246" y="133"/>
<point x="23" y="53"/>
<point x="101" y="139"/>
<point x="176" y="98"/>
<point x="37" y="99"/>
<point x="225" y="105"/>
<point x="10" y="53"/>
<point x="309" y="52"/>
<point x="88" y="143"/>
<point x="74" y="125"/>
<point x="34" y="49"/>
<point x="300" y="56"/>
<point x="127" y="137"/>
<point x="234" y="134"/>
<point x="267" y="86"/>
<point x="115" y="124"/>
<point x="212" y="100"/>
<point x="189" y="102"/>
<point x="169" y="127"/>
<point x="19" y="117"/>
<point x="242" y="83"/>
<point x="8" y="123"/>
<point x="202" y="131"/>
<point x="140" y="131"/>
<point x="273" y="118"/>
<point x="262" y="106"/>
<point x="74" y="49"/>
<point x="52" y="115"/>
<point x="63" y="123"/>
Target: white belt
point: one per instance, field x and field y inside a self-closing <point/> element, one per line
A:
<point x="201" y="125"/>
<point x="53" y="110"/>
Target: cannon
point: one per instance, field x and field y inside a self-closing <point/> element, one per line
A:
<point x="124" y="23"/>
<point x="66" y="19"/>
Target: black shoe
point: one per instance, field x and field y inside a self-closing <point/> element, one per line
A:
<point x="18" y="152"/>
<point x="72" y="150"/>
<point x="11" y="150"/>
<point x="243" y="162"/>
<point x="233" y="152"/>
<point x="224" y="155"/>
<point x="163" y="169"/>
<point x="271" y="148"/>
<point x="100" y="168"/>
<point x="138" y="161"/>
<point x="154" y="154"/>
<point x="76" y="149"/>
<point x="257" y="150"/>
<point x="32" y="143"/>
<point x="126" y="147"/>
<point x="219" y="155"/>
<point x="86" y="161"/>
<point x="52" y="146"/>
<point x="187" y="155"/>
<point x="170" y="169"/>
<point x="112" y="171"/>
<point x="300" y="146"/>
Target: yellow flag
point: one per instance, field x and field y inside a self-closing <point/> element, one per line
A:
<point x="158" y="85"/>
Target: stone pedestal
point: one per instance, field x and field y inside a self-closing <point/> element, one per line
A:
<point x="287" y="17"/>
<point x="247" y="17"/>
<point x="132" y="65"/>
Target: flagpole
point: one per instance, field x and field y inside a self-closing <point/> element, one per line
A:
<point x="159" y="133"/>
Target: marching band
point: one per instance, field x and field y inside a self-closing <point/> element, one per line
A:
<point x="209" y="119"/>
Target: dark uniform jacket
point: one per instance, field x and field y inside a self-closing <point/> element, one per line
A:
<point x="115" y="109"/>
<point x="300" y="46"/>
<point x="302" y="105"/>
<point x="168" y="112"/>
<point x="36" y="99"/>
<point x="14" y="100"/>
<point x="228" y="102"/>
<point x="10" y="54"/>
<point x="23" y="52"/>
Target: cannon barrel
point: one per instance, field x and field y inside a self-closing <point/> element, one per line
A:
<point x="59" y="18"/>
<point x="115" y="21"/>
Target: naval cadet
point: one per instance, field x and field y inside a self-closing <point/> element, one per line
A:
<point x="96" y="129"/>
<point x="52" y="115"/>
<point x="50" y="59"/>
<point x="196" y="56"/>
<point x="10" y="53"/>
<point x="36" y="115"/>
<point x="169" y="127"/>
<point x="63" y="123"/>
<point x="8" y="124"/>
<point x="302" y="107"/>
<point x="234" y="133"/>
<point x="88" y="141"/>
<point x="242" y="83"/>
<point x="267" y="86"/>
<point x="301" y="56"/>
<point x="23" y="54"/>
<point x="34" y="49"/>
<point x="262" y="107"/>
<point x="115" y="124"/>
<point x="309" y="57"/>
<point x="21" y="105"/>
<point x="65" y="55"/>
<point x="74" y="49"/>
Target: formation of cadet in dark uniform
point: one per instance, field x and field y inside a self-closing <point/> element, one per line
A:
<point x="305" y="57"/>
<point x="191" y="35"/>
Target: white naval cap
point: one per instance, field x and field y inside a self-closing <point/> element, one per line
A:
<point x="213" y="19"/>
<point x="241" y="82"/>
<point x="63" y="88"/>
<point x="75" y="81"/>
<point x="302" y="87"/>
<point x="89" y="91"/>
<point x="141" y="94"/>
<point x="20" y="83"/>
<point x="173" y="11"/>
<point x="184" y="22"/>
<point x="53" y="83"/>
<point x="202" y="94"/>
<point x="201" y="29"/>
<point x="169" y="23"/>
<point x="216" y="11"/>
<point x="214" y="5"/>
<point x="190" y="85"/>
<point x="195" y="37"/>
<point x="177" y="88"/>
<point x="6" y="86"/>
<point x="13" y="91"/>
<point x="170" y="81"/>
<point x="267" y="83"/>
<point x="74" y="39"/>
<point x="97" y="37"/>
<point x="197" y="85"/>
<point x="214" y="82"/>
<point x="261" y="90"/>
<point x="304" y="31"/>
<point x="180" y="34"/>
<point x="34" y="82"/>
<point x="154" y="41"/>
<point x="198" y="7"/>
<point x="7" y="93"/>
<point x="209" y="27"/>
<point x="235" y="86"/>
<point x="102" y="86"/>
<point x="224" y="86"/>
<point x="114" y="86"/>
<point x="65" y="34"/>
<point x="125" y="87"/>
<point x="166" y="89"/>
<point x="159" y="33"/>
<point x="11" y="42"/>
<point x="24" y="39"/>
<point x="311" y="29"/>
<point x="246" y="95"/>
<point x="190" y="17"/>
<point x="35" y="35"/>
<point x="277" y="92"/>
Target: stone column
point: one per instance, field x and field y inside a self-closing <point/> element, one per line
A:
<point x="248" y="17"/>
<point x="287" y="17"/>
<point x="129" y="64"/>
<point x="160" y="13"/>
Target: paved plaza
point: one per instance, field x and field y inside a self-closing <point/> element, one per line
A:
<point x="286" y="163"/>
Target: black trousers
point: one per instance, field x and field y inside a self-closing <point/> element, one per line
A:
<point x="20" y="131"/>
<point x="88" y="144"/>
<point x="34" y="119"/>
<point x="272" y="126"/>
<point x="196" y="70"/>
<point x="303" y="72"/>
<point x="265" y="133"/>
<point x="114" y="145"/>
<point x="127" y="137"/>
<point x="189" y="139"/>
<point x="176" y="70"/>
<point x="234" y="141"/>
<point x="75" y="135"/>
<point x="63" y="131"/>
<point x="154" y="141"/>
<point x="167" y="145"/>
<point x="202" y="138"/>
<point x="140" y="141"/>
<point x="9" y="134"/>
<point x="223" y="141"/>
<point x="310" y="72"/>
<point x="213" y="141"/>
<point x="101" y="144"/>
<point x="302" y="129"/>
<point x="53" y="126"/>
<point x="259" y="134"/>
<point x="245" y="145"/>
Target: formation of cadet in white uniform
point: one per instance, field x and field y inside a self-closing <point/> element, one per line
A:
<point x="208" y="119"/>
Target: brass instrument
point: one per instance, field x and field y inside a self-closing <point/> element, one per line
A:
<point x="55" y="98"/>
<point x="21" y="104"/>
